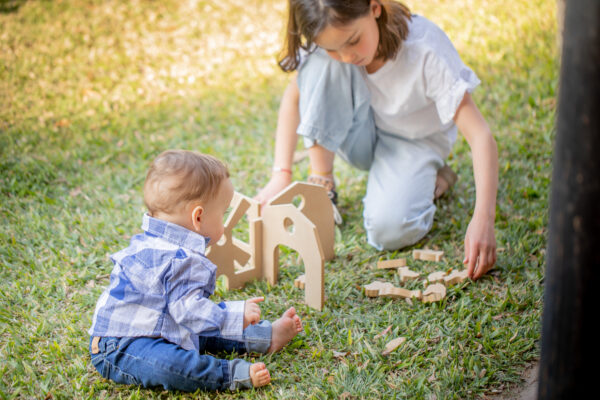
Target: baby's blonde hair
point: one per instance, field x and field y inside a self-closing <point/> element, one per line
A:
<point x="177" y="177"/>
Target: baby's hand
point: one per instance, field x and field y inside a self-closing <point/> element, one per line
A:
<point x="252" y="311"/>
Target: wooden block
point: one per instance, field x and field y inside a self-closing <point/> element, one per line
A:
<point x="373" y="289"/>
<point x="396" y="292"/>
<point x="300" y="281"/>
<point x="388" y="264"/>
<point x="456" y="277"/>
<point x="392" y="345"/>
<point x="436" y="277"/>
<point x="428" y="255"/>
<point x="435" y="292"/>
<point x="407" y="275"/>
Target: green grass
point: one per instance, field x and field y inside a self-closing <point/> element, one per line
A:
<point x="91" y="91"/>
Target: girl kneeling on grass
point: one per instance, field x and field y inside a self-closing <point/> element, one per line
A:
<point x="386" y="91"/>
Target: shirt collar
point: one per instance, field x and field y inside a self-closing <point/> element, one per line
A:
<point x="175" y="234"/>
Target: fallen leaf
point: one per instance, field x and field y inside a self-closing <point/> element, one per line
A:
<point x="383" y="332"/>
<point x="339" y="354"/>
<point x="392" y="345"/>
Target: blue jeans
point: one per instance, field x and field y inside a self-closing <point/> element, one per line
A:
<point x="151" y="362"/>
<point x="335" y="112"/>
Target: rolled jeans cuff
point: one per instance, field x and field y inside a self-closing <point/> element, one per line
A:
<point x="258" y="337"/>
<point x="239" y="371"/>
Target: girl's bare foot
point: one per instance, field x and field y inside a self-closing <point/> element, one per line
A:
<point x="444" y="180"/>
<point x="259" y="374"/>
<point x="284" y="329"/>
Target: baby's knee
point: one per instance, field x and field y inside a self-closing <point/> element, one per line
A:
<point x="392" y="229"/>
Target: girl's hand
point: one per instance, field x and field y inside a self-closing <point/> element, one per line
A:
<point x="252" y="311"/>
<point x="279" y="181"/>
<point x="480" y="247"/>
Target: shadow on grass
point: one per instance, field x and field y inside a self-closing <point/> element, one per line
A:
<point x="10" y="6"/>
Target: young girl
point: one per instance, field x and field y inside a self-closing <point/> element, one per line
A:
<point x="386" y="91"/>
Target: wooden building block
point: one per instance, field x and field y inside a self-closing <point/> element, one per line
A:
<point x="428" y="255"/>
<point x="392" y="345"/>
<point x="407" y="275"/>
<point x="456" y="277"/>
<point x="316" y="205"/>
<point x="286" y="225"/>
<point x="435" y="292"/>
<point x="388" y="264"/>
<point x="239" y="261"/>
<point x="373" y="289"/>
<point x="396" y="292"/>
<point x="436" y="277"/>
<point x="300" y="281"/>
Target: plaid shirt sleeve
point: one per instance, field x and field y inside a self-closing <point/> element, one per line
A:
<point x="188" y="286"/>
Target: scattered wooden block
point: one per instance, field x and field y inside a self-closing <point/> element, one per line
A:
<point x="300" y="281"/>
<point x="428" y="255"/>
<point x="388" y="264"/>
<point x="456" y="277"/>
<point x="392" y="345"/>
<point x="373" y="289"/>
<point x="435" y="292"/>
<point x="396" y="292"/>
<point x="407" y="275"/>
<point x="436" y="277"/>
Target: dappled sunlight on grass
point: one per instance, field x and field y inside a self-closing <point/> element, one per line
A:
<point x="91" y="91"/>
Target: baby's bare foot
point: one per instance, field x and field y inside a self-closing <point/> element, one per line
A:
<point x="284" y="329"/>
<point x="259" y="374"/>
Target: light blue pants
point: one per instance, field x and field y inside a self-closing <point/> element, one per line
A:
<point x="335" y="112"/>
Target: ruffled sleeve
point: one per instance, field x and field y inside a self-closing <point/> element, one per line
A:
<point x="447" y="79"/>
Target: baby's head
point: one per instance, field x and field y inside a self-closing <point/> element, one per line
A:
<point x="363" y="30"/>
<point x="189" y="189"/>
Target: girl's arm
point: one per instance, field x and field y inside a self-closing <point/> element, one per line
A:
<point x="286" y="139"/>
<point x="480" y="240"/>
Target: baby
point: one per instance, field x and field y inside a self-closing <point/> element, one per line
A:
<point x="155" y="322"/>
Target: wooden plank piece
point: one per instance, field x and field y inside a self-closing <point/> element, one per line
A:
<point x="428" y="255"/>
<point x="396" y="292"/>
<point x="300" y="281"/>
<point x="435" y="292"/>
<point x="436" y="277"/>
<point x="372" y="289"/>
<point x="407" y="275"/>
<point x="388" y="264"/>
<point x="456" y="277"/>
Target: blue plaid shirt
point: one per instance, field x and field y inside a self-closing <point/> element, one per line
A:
<point x="159" y="287"/>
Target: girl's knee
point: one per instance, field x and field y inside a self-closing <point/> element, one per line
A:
<point x="392" y="229"/>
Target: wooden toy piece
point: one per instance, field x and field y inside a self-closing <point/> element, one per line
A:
<point x="435" y="292"/>
<point x="427" y="255"/>
<point x="393" y="345"/>
<point x="456" y="277"/>
<point x="388" y="264"/>
<point x="316" y="206"/>
<point x="396" y="292"/>
<point x="436" y="277"/>
<point x="407" y="275"/>
<point x="229" y="253"/>
<point x="286" y="225"/>
<point x="373" y="289"/>
<point x="300" y="281"/>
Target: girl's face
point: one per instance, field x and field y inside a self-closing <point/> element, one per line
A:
<point x="355" y="43"/>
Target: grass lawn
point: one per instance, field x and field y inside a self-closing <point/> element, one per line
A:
<point x="91" y="91"/>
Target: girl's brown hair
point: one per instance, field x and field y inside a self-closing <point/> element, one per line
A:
<point x="177" y="177"/>
<point x="307" y="18"/>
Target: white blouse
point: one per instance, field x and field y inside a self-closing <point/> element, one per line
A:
<point x="416" y="95"/>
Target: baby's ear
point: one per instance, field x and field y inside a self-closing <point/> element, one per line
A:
<point x="197" y="217"/>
